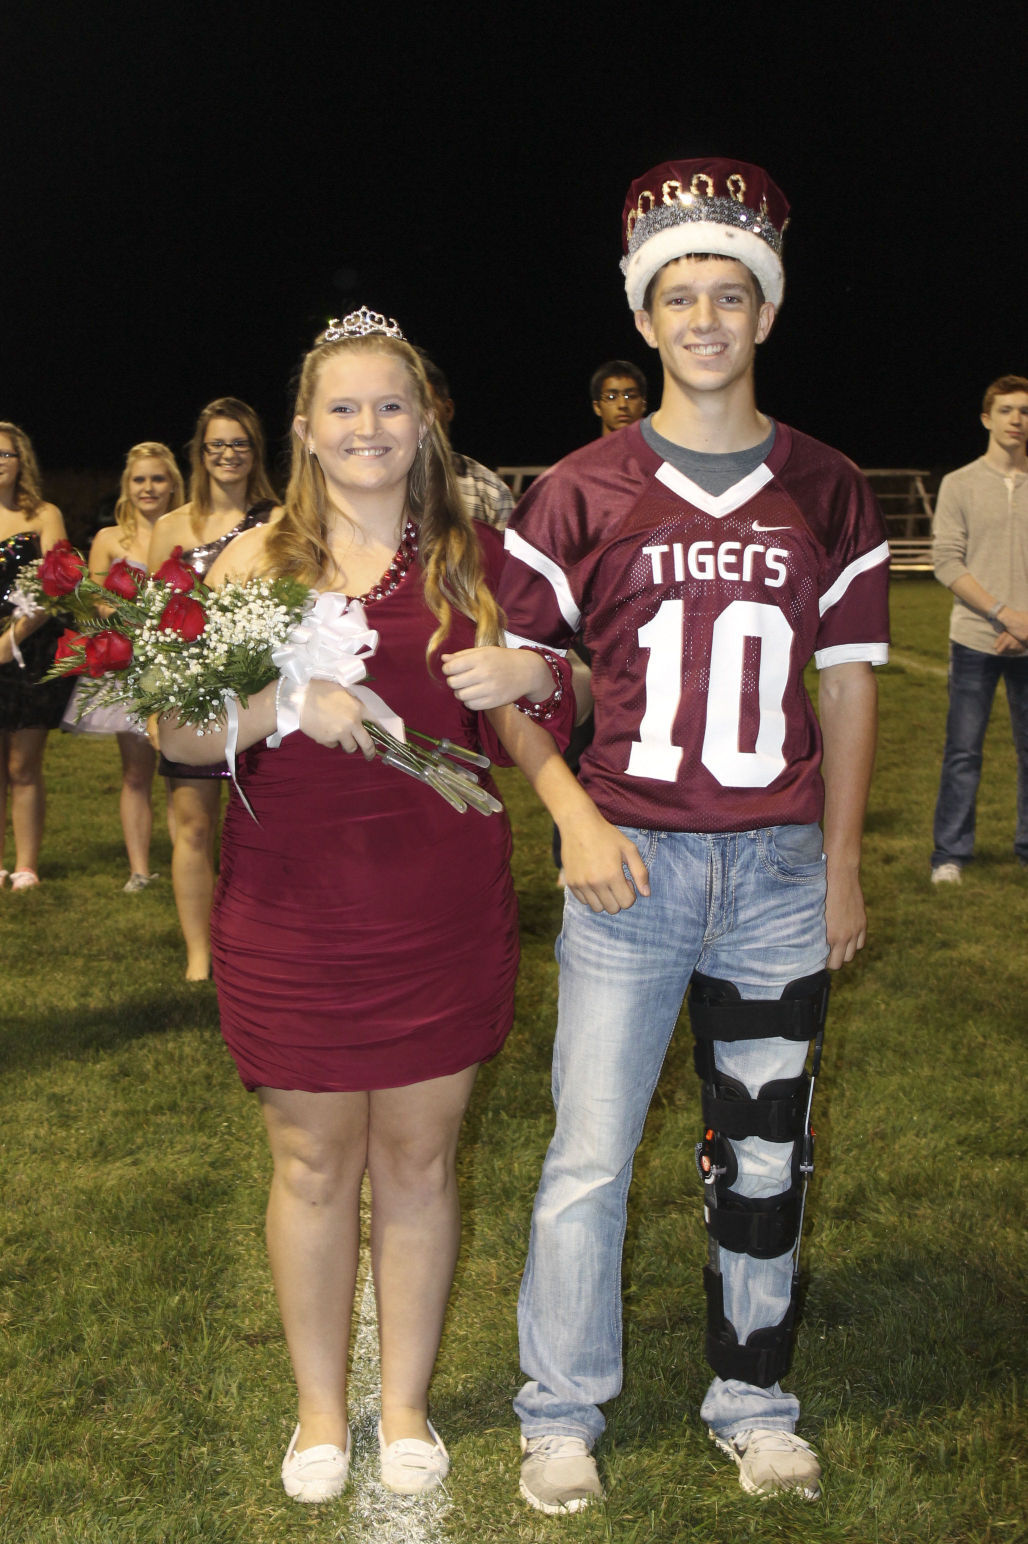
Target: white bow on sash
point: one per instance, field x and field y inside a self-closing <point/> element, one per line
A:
<point x="330" y="643"/>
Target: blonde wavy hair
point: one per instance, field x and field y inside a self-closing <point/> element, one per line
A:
<point x="448" y="549"/>
<point x="125" y="517"/>
<point x="28" y="489"/>
<point x="258" y="484"/>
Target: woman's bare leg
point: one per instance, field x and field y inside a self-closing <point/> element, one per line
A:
<point x="415" y="1233"/>
<point x="319" y="1146"/>
<point x="138" y="760"/>
<point x="197" y="804"/>
<point x="27" y="793"/>
<point x="4" y="747"/>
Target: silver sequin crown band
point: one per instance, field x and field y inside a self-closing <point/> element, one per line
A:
<point x="358" y="325"/>
<point x="711" y="211"/>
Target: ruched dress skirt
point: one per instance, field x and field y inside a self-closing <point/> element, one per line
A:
<point x="364" y="932"/>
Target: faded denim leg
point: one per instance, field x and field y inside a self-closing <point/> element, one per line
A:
<point x="622" y="982"/>
<point x="779" y="937"/>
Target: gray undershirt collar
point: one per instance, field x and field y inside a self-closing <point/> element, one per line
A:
<point x="713" y="473"/>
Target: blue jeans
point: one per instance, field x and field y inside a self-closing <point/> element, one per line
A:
<point x="973" y="677"/>
<point x="747" y="907"/>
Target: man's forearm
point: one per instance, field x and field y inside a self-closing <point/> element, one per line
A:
<point x="848" y="710"/>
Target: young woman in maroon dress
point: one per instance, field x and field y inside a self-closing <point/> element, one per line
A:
<point x="365" y="934"/>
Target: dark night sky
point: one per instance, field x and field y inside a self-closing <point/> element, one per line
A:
<point x="190" y="192"/>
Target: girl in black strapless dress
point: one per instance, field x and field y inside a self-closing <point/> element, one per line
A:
<point x="29" y="707"/>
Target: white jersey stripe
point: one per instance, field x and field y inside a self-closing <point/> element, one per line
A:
<point x="513" y="641"/>
<point x="519" y="548"/>
<point x="852" y="653"/>
<point x="716" y="504"/>
<point x="859" y="566"/>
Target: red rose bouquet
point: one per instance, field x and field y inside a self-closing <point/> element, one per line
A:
<point x="168" y="644"/>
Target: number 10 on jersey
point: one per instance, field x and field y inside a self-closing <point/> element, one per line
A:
<point x="655" y="754"/>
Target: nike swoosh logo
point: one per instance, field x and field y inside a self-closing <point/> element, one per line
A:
<point x="758" y="527"/>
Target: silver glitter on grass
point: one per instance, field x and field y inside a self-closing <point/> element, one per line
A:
<point x="375" y="1513"/>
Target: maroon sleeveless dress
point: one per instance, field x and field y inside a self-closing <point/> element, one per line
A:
<point x="365" y="934"/>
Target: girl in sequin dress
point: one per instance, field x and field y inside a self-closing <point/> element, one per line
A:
<point x="229" y="492"/>
<point x="29" y="707"/>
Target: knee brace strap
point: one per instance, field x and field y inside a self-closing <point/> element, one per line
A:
<point x="717" y="1011"/>
<point x="765" y="1226"/>
<point x="777" y="1114"/>
<point x="764" y="1359"/>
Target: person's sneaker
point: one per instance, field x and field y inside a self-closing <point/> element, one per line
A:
<point x="558" y="1474"/>
<point x="138" y="882"/>
<point x="773" y="1462"/>
<point x="946" y="874"/>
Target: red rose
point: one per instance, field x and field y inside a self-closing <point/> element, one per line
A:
<point x="177" y="574"/>
<point x="183" y="616"/>
<point x="124" y="580"/>
<point x="70" y="653"/>
<point x="61" y="569"/>
<point x="107" y="651"/>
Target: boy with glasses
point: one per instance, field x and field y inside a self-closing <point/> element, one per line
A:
<point x="618" y="392"/>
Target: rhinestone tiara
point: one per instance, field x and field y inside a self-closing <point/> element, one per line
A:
<point x="358" y="324"/>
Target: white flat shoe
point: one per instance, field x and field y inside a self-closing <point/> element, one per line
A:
<point x="410" y="1466"/>
<point x="318" y="1473"/>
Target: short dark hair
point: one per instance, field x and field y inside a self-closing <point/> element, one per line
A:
<point x="615" y="367"/>
<point x="1002" y="388"/>
<point x="704" y="257"/>
<point x="436" y="379"/>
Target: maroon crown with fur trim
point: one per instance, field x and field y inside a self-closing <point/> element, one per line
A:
<point x="726" y="207"/>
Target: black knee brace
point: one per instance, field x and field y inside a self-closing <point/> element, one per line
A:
<point x="768" y="1227"/>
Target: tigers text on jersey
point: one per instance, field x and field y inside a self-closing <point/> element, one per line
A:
<point x="700" y="612"/>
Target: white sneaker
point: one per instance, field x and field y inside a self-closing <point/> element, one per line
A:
<point x="137" y="882"/>
<point x="558" y="1474"/>
<point x="946" y="874"/>
<point x="773" y="1462"/>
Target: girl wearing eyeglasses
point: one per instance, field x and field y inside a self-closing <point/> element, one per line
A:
<point x="29" y="706"/>
<point x="229" y="492"/>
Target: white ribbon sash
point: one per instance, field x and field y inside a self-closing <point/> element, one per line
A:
<point x="330" y="643"/>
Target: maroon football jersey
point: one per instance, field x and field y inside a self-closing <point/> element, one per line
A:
<point x="700" y="612"/>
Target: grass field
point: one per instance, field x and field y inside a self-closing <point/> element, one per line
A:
<point x="146" y="1393"/>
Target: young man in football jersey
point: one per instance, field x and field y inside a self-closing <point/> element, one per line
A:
<point x="704" y="555"/>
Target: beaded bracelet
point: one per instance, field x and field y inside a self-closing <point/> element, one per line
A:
<point x="540" y="712"/>
<point x="289" y="696"/>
